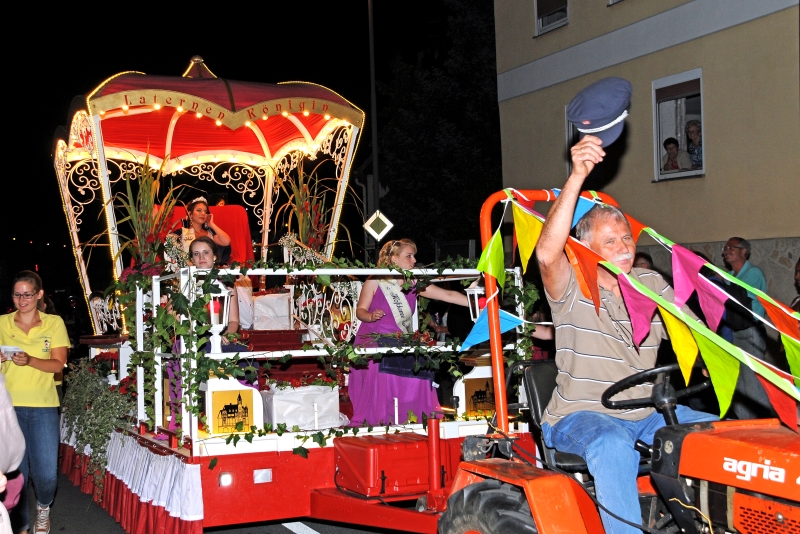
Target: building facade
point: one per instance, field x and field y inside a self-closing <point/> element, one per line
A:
<point x="728" y="68"/>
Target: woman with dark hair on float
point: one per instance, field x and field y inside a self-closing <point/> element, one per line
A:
<point x="34" y="349"/>
<point x="199" y="222"/>
<point x="204" y="254"/>
<point x="385" y="308"/>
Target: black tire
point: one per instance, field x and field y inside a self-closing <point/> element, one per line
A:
<point x="489" y="507"/>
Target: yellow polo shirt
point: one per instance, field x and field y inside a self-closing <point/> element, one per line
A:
<point x="28" y="386"/>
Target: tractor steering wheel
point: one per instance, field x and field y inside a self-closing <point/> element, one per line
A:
<point x="664" y="397"/>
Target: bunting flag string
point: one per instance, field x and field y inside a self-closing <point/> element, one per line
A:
<point x="721" y="357"/>
<point x="790" y="328"/>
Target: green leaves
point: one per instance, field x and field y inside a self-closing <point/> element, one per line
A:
<point x="213" y="463"/>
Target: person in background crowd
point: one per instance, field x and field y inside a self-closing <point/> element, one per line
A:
<point x="642" y="260"/>
<point x="385" y="308"/>
<point x="751" y="401"/>
<point x="40" y="344"/>
<point x="695" y="146"/>
<point x="12" y="450"/>
<point x="675" y="159"/>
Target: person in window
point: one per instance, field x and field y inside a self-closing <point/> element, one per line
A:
<point x="675" y="159"/>
<point x="695" y="146"/>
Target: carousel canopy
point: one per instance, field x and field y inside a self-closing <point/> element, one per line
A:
<point x="199" y="118"/>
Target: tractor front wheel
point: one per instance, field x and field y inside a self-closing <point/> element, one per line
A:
<point x="488" y="507"/>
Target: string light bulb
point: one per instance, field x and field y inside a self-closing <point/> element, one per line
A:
<point x="180" y="109"/>
<point x="198" y="114"/>
<point x="219" y="123"/>
<point x="327" y="117"/>
<point x="247" y="124"/>
<point x="305" y="113"/>
<point x="157" y="106"/>
<point x="263" y="117"/>
<point x="285" y="113"/>
<point x="125" y="108"/>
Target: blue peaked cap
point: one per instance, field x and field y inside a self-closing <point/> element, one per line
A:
<point x="600" y="109"/>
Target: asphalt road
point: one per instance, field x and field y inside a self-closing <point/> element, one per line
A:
<point x="74" y="512"/>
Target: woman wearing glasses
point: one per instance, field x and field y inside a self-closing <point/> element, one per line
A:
<point x="34" y="349"/>
<point x="385" y="308"/>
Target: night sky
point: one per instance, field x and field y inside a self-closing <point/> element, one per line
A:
<point x="58" y="55"/>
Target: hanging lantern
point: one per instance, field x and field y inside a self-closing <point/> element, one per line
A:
<point x="477" y="301"/>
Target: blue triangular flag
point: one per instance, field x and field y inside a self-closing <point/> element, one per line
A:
<point x="480" y="332"/>
<point x="584" y="205"/>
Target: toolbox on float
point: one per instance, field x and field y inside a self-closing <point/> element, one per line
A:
<point x="382" y="466"/>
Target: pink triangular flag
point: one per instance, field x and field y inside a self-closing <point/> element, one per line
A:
<point x="685" y="266"/>
<point x="712" y="302"/>
<point x="640" y="309"/>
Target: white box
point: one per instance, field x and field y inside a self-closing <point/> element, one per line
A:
<point x="272" y="312"/>
<point x="296" y="406"/>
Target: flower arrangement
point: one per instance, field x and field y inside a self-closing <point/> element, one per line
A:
<point x="175" y="257"/>
<point x="414" y="339"/>
<point x="105" y="363"/>
<point x="320" y="379"/>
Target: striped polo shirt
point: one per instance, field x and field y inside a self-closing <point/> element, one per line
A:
<point x="594" y="351"/>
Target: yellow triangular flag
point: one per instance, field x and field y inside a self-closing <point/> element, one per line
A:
<point x="528" y="229"/>
<point x="683" y="343"/>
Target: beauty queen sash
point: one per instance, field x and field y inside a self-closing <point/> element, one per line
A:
<point x="398" y="304"/>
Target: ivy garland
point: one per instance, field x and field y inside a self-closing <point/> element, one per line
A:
<point x="177" y="320"/>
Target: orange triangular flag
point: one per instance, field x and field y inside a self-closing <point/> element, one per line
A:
<point x="584" y="260"/>
<point x="783" y="322"/>
<point x="636" y="227"/>
<point x="784" y="405"/>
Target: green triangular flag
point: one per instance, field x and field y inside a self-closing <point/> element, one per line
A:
<point x="493" y="260"/>
<point x="723" y="369"/>
<point x="792" y="347"/>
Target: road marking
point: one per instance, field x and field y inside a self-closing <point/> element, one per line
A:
<point x="300" y="528"/>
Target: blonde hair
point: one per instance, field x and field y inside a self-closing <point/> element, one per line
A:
<point x="393" y="248"/>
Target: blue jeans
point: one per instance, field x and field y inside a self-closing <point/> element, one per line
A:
<point x="40" y="426"/>
<point x="606" y="445"/>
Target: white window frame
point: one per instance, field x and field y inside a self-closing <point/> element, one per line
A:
<point x="694" y="74"/>
<point x="540" y="30"/>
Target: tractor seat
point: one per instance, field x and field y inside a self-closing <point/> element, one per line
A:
<point x="540" y="381"/>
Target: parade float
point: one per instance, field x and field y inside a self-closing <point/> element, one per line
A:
<point x="132" y="144"/>
<point x="203" y="449"/>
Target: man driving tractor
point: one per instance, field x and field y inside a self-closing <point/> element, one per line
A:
<point x="596" y="349"/>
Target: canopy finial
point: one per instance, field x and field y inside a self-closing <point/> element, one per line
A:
<point x="198" y="69"/>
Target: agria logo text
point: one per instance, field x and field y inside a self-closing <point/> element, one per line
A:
<point x="746" y="470"/>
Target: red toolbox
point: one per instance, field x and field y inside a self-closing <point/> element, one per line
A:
<point x="382" y="466"/>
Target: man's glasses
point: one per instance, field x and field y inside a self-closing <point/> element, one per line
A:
<point x="730" y="247"/>
<point x="24" y="296"/>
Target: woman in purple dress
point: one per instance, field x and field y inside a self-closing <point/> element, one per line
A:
<point x="384" y="308"/>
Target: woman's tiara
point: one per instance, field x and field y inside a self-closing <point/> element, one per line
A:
<point x="199" y="199"/>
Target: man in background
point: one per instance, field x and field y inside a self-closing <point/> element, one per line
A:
<point x="750" y="400"/>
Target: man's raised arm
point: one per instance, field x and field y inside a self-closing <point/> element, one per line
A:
<point x="553" y="263"/>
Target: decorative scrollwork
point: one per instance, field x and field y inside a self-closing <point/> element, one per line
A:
<point x="330" y="310"/>
<point x="106" y="313"/>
